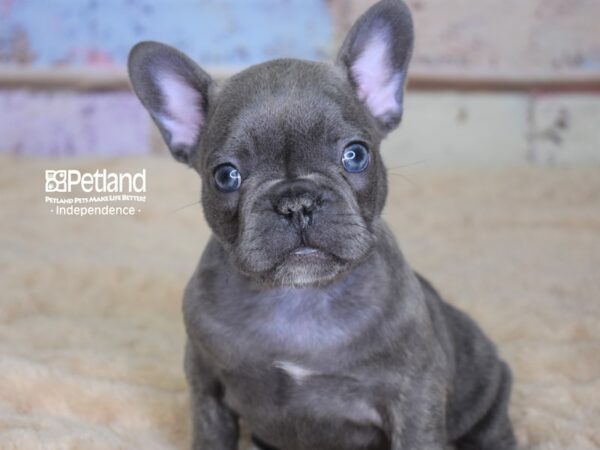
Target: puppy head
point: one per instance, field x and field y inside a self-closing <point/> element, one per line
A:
<point x="288" y="150"/>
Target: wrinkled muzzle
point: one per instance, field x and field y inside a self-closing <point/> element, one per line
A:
<point x="300" y="231"/>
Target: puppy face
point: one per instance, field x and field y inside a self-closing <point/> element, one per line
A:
<point x="288" y="151"/>
<point x="303" y="208"/>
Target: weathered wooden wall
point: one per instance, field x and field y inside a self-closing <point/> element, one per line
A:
<point x="499" y="81"/>
<point x="500" y="37"/>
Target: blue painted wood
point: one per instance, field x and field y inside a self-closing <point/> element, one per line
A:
<point x="215" y="32"/>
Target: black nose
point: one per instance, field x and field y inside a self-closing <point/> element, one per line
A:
<point x="296" y="200"/>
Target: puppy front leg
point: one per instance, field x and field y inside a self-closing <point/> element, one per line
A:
<point x="417" y="425"/>
<point x="404" y="439"/>
<point x="214" y="426"/>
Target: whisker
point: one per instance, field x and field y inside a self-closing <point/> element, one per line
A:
<point x="410" y="164"/>
<point x="383" y="230"/>
<point x="351" y="224"/>
<point x="405" y="178"/>
<point x="184" y="206"/>
<point x="390" y="171"/>
<point x="345" y="215"/>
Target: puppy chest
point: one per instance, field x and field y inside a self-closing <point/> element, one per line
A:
<point x="305" y="403"/>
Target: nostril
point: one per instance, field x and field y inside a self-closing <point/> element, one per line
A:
<point x="285" y="207"/>
<point x="305" y="220"/>
<point x="308" y="210"/>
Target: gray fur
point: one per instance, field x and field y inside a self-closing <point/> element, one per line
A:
<point x="346" y="350"/>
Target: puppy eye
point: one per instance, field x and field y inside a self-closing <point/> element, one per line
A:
<point x="355" y="157"/>
<point x="227" y="178"/>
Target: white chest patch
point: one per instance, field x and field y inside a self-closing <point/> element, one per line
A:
<point x="295" y="371"/>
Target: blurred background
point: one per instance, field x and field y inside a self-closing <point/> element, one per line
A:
<point x="500" y="81"/>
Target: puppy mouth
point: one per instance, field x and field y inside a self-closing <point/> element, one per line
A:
<point x="305" y="253"/>
<point x="305" y="265"/>
<point x="309" y="257"/>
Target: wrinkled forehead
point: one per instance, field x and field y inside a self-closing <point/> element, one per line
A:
<point x="298" y="105"/>
<point x="292" y="119"/>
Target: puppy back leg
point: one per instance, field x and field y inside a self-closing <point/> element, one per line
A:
<point x="494" y="430"/>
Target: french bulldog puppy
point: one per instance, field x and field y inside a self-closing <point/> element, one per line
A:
<point x="303" y="318"/>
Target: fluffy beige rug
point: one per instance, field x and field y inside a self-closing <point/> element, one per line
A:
<point x="91" y="336"/>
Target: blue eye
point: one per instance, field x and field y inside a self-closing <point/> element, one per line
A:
<point x="355" y="157"/>
<point x="227" y="178"/>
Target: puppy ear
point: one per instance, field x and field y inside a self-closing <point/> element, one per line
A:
<point x="176" y="93"/>
<point x="375" y="55"/>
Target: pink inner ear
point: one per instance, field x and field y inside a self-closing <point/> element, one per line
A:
<point x="376" y="83"/>
<point x="182" y="117"/>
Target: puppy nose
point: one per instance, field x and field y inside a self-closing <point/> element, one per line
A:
<point x="296" y="201"/>
<point x="297" y="209"/>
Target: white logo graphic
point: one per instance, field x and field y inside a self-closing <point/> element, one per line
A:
<point x="56" y="181"/>
<point x="103" y="187"/>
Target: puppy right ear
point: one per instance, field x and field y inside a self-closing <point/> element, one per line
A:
<point x="176" y="93"/>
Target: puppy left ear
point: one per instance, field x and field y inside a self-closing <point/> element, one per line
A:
<point x="375" y="55"/>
